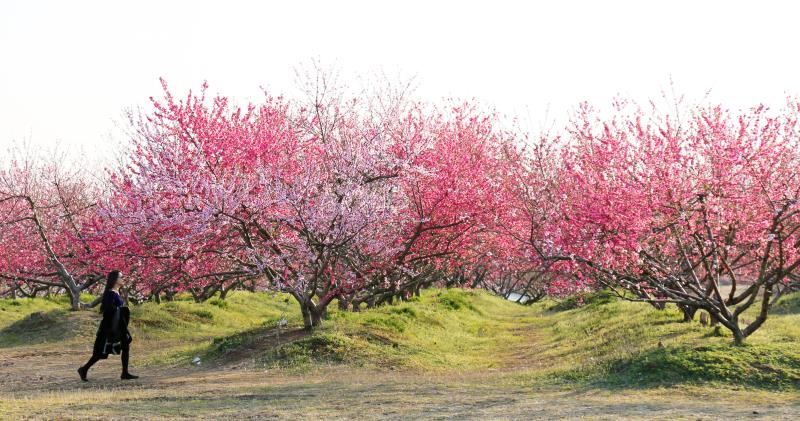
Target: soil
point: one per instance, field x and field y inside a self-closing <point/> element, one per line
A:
<point x="40" y="382"/>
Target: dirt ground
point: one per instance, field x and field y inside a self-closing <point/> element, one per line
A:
<point x="41" y="383"/>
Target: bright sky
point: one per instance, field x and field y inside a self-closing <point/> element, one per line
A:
<point x="69" y="68"/>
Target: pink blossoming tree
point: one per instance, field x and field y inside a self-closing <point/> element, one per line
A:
<point x="700" y="211"/>
<point x="46" y="211"/>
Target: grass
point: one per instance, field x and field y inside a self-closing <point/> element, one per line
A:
<point x="613" y="343"/>
<point x="446" y="354"/>
<point x="189" y="329"/>
<point x="592" y="340"/>
<point x="447" y="329"/>
<point x="182" y="328"/>
<point x="32" y="321"/>
<point x="185" y="319"/>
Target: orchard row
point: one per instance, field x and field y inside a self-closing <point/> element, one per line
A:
<point x="365" y="199"/>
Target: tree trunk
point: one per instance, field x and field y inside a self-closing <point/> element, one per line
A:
<point x="74" y="298"/>
<point x="688" y="312"/>
<point x="312" y="315"/>
<point x="308" y="324"/>
<point x="714" y="319"/>
<point x="738" y="336"/>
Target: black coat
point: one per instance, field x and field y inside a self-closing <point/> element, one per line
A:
<point x="113" y="327"/>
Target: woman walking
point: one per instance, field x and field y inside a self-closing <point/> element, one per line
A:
<point x="112" y="335"/>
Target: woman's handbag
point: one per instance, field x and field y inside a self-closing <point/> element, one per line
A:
<point x="113" y="348"/>
<point x="113" y="340"/>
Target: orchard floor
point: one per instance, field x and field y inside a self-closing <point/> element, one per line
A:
<point x="41" y="383"/>
<point x="340" y="394"/>
<point x="450" y="355"/>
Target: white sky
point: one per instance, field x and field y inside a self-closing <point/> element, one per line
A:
<point x="69" y="68"/>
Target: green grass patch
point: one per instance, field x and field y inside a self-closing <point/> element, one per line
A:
<point x="210" y="328"/>
<point x="324" y="347"/>
<point x="751" y="365"/>
<point x="599" y="340"/>
<point x="182" y="328"/>
<point x="442" y="329"/>
<point x="788" y="304"/>
<point x="185" y="319"/>
<point x="28" y="321"/>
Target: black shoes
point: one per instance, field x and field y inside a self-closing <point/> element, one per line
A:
<point x="82" y="372"/>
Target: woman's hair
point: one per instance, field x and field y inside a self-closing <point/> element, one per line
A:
<point x="111" y="279"/>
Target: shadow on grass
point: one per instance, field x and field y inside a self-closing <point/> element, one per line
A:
<point x="41" y="327"/>
<point x="584" y="300"/>
<point x="291" y="347"/>
<point x="251" y="343"/>
<point x="789" y="304"/>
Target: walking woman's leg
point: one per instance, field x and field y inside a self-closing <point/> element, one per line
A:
<point x="91" y="362"/>
<point x="126" y="350"/>
<point x="85" y="369"/>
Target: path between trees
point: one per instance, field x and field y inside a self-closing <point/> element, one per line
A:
<point x="39" y="382"/>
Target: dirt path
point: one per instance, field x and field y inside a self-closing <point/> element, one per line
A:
<point x="340" y="393"/>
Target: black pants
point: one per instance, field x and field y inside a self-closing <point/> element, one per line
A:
<point x="125" y="354"/>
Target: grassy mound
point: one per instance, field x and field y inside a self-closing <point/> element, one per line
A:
<point x="751" y="365"/>
<point x="622" y="344"/>
<point x="185" y="319"/>
<point x="28" y="321"/>
<point x="177" y="329"/>
<point x="451" y="329"/>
